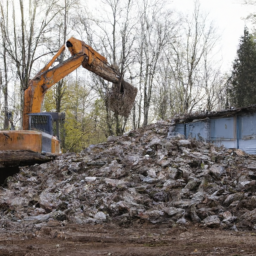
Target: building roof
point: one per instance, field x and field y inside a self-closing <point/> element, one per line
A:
<point x="205" y="114"/>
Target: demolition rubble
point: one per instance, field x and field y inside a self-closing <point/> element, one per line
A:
<point x="139" y="177"/>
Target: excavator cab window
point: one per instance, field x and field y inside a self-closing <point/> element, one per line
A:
<point x="48" y="122"/>
<point x="41" y="122"/>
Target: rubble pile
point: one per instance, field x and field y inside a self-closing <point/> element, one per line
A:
<point x="139" y="177"/>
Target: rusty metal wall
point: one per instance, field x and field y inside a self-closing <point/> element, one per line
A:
<point x="180" y="128"/>
<point x="238" y="131"/>
<point x="247" y="133"/>
<point x="223" y="132"/>
<point x="198" y="130"/>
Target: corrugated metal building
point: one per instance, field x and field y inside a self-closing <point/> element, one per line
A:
<point x="235" y="128"/>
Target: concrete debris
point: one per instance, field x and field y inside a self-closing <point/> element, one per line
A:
<point x="139" y="177"/>
<point x="212" y="221"/>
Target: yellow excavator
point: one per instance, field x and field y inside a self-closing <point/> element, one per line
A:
<point x="37" y="134"/>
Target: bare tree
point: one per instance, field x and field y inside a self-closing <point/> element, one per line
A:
<point x="4" y="76"/>
<point x="157" y="31"/>
<point x="213" y="84"/>
<point x="114" y="38"/>
<point x="62" y="28"/>
<point x="162" y="94"/>
<point x="189" y="60"/>
<point x="24" y="36"/>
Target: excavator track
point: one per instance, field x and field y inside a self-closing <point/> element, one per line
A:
<point x="11" y="158"/>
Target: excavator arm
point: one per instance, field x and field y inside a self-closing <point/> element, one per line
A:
<point x="82" y="54"/>
<point x="25" y="147"/>
<point x="34" y="94"/>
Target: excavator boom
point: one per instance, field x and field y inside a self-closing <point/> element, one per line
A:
<point x="39" y="85"/>
<point x="82" y="54"/>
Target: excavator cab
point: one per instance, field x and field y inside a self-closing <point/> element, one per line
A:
<point x="49" y="124"/>
<point x="41" y="122"/>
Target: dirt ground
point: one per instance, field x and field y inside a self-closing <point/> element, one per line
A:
<point x="160" y="240"/>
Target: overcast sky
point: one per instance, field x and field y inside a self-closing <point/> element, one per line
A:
<point x="227" y="16"/>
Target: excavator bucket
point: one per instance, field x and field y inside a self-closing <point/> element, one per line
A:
<point x="122" y="95"/>
<point x="121" y="98"/>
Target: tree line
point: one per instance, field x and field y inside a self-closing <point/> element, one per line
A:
<point x="170" y="57"/>
<point x="242" y="82"/>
